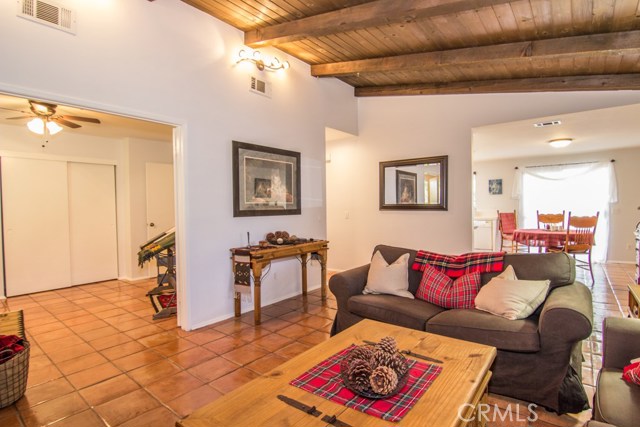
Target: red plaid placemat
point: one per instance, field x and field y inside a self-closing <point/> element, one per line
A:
<point x="324" y="380"/>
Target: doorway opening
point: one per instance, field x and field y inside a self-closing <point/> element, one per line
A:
<point x="121" y="144"/>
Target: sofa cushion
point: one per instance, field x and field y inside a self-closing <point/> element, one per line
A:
<point x="485" y="328"/>
<point x="512" y="299"/>
<point x="616" y="401"/>
<point x="441" y="290"/>
<point x="388" y="278"/>
<point x="392" y="309"/>
<point x="557" y="267"/>
<point x="391" y="253"/>
<point x="508" y="273"/>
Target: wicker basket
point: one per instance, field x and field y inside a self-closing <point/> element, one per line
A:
<point x="14" y="372"/>
<point x="13" y="377"/>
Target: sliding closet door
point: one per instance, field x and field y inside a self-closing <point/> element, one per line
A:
<point x="36" y="225"/>
<point x="92" y="223"/>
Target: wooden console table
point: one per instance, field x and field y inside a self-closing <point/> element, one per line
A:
<point x="634" y="301"/>
<point x="261" y="257"/>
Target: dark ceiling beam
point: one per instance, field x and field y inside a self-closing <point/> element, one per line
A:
<point x="590" y="45"/>
<point x="543" y="84"/>
<point x="372" y="14"/>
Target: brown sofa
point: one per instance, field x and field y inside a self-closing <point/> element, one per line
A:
<point x="616" y="402"/>
<point x="539" y="358"/>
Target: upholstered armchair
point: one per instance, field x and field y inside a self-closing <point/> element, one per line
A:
<point x="616" y="401"/>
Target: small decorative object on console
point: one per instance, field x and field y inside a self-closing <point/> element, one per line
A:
<point x="375" y="371"/>
<point x="284" y="238"/>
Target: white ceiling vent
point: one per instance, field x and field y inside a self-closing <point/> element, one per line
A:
<point x="48" y="13"/>
<point x="260" y="87"/>
<point x="545" y="124"/>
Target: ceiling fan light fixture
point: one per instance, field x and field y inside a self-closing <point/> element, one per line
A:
<point x="560" y="142"/>
<point x="53" y="128"/>
<point x="36" y="125"/>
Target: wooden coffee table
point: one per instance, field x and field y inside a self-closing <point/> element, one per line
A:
<point x="461" y="384"/>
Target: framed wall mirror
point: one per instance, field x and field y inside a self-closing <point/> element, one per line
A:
<point x="414" y="184"/>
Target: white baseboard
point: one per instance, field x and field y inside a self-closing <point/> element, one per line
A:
<point x="136" y="280"/>
<point x="619" y="262"/>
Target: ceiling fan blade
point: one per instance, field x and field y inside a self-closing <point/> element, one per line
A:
<point x="15" y="110"/>
<point x="82" y="119"/>
<point x="66" y="123"/>
<point x="18" y="118"/>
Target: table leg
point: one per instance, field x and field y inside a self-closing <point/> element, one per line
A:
<point x="236" y="304"/>
<point x="237" y="296"/>
<point x="303" y="261"/>
<point x="257" y="275"/>
<point x="323" y="273"/>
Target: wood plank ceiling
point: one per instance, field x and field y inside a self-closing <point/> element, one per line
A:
<point x="417" y="47"/>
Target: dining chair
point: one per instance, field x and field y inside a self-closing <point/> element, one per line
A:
<point x="507" y="224"/>
<point x="580" y="239"/>
<point x="550" y="221"/>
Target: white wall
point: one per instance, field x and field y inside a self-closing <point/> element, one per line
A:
<point x="171" y="62"/>
<point x="624" y="214"/>
<point x="141" y="152"/>
<point x="396" y="128"/>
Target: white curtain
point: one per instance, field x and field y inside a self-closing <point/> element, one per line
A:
<point x="582" y="189"/>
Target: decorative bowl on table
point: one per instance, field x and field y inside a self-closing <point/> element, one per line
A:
<point x="375" y="371"/>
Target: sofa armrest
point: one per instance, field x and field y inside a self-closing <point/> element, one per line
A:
<point x="348" y="283"/>
<point x="620" y="341"/>
<point x="567" y="314"/>
<point x="593" y="423"/>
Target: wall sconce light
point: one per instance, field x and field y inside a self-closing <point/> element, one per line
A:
<point x="560" y="142"/>
<point x="273" y="64"/>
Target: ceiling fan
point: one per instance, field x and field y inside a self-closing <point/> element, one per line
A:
<point x="46" y="119"/>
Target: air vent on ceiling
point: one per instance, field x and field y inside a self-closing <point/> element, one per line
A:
<point x="260" y="87"/>
<point x="545" y="124"/>
<point x="48" y="13"/>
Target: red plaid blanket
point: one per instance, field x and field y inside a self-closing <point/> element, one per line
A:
<point x="459" y="265"/>
<point x="324" y="380"/>
<point x="10" y="345"/>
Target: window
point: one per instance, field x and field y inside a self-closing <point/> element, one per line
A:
<point x="582" y="189"/>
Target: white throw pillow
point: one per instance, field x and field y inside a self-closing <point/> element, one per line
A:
<point x="509" y="273"/>
<point x="387" y="278"/>
<point x="512" y="299"/>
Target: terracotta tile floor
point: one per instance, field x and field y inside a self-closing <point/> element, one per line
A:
<point x="98" y="358"/>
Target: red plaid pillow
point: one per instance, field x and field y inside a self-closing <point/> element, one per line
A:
<point x="631" y="373"/>
<point x="439" y="289"/>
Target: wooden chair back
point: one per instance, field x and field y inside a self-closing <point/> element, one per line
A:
<point x="507" y="222"/>
<point x="580" y="233"/>
<point x="550" y="221"/>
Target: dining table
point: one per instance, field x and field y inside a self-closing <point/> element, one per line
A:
<point x="543" y="238"/>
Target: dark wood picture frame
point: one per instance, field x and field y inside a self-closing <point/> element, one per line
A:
<point x="266" y="181"/>
<point x="390" y="201"/>
<point x="406" y="187"/>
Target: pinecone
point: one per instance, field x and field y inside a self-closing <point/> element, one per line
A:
<point x="364" y="352"/>
<point x="388" y="344"/>
<point x="358" y="374"/>
<point x="398" y="363"/>
<point x="383" y="380"/>
<point x="380" y="358"/>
